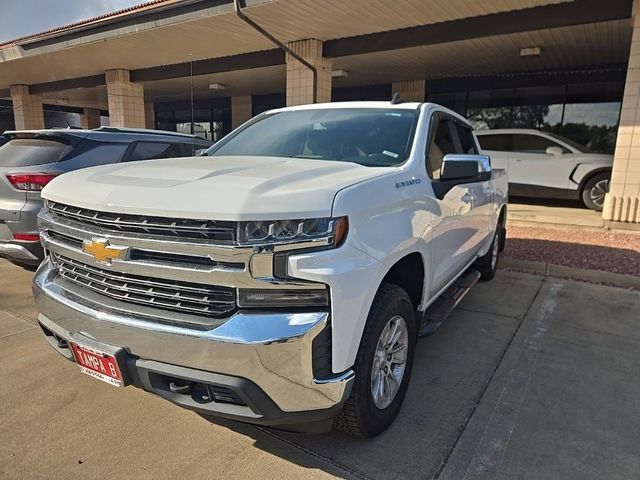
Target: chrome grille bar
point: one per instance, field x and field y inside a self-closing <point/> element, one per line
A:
<point x="170" y="295"/>
<point x="221" y="231"/>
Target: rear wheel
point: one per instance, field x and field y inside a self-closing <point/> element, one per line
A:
<point x="383" y="365"/>
<point x="595" y="190"/>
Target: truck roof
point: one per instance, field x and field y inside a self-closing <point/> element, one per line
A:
<point x="333" y="105"/>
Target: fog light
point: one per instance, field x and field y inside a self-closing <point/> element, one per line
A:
<point x="282" y="298"/>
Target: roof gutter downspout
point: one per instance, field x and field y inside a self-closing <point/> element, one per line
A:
<point x="286" y="49"/>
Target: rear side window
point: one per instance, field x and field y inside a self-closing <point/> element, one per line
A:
<point x="496" y="143"/>
<point x="24" y="152"/>
<point x="154" y="150"/>
<point x="467" y="141"/>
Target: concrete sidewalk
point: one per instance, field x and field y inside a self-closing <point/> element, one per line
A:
<point x="553" y="213"/>
<point x="531" y="377"/>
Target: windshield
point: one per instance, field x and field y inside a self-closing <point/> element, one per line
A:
<point x="576" y="145"/>
<point x="374" y="137"/>
<point x="22" y="152"/>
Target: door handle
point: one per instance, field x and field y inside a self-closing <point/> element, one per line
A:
<point x="518" y="159"/>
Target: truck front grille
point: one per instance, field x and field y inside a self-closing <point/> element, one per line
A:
<point x="207" y="300"/>
<point x="220" y="231"/>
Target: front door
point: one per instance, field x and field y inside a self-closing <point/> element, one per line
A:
<point x="458" y="225"/>
<point x="530" y="164"/>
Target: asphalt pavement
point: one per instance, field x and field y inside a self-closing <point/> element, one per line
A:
<point x="531" y="377"/>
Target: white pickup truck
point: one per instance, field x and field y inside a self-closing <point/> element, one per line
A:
<point x="284" y="278"/>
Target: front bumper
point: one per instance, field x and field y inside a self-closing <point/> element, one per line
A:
<point x="264" y="359"/>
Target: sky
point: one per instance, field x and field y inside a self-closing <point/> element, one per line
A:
<point x="25" y="17"/>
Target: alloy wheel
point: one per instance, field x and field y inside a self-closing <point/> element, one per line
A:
<point x="389" y="362"/>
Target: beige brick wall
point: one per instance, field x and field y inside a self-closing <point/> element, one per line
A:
<point x="90" y="118"/>
<point x="622" y="203"/>
<point x="409" y="90"/>
<point x="300" y="78"/>
<point x="126" y="100"/>
<point x="27" y="108"/>
<point x="241" y="110"/>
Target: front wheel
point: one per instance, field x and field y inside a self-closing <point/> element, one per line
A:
<point x="595" y="190"/>
<point x="383" y="365"/>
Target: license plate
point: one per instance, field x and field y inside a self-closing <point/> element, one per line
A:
<point x="100" y="365"/>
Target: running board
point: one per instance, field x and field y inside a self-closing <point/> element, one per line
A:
<point x="439" y="310"/>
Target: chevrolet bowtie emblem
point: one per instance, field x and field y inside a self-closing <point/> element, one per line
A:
<point x="102" y="251"/>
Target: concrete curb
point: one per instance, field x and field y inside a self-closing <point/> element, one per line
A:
<point x="561" y="271"/>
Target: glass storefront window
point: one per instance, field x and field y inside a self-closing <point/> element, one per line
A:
<point x="594" y="125"/>
<point x="586" y="113"/>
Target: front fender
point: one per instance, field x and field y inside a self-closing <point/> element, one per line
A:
<point x="386" y="223"/>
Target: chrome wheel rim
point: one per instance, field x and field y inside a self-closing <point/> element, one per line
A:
<point x="494" y="252"/>
<point x="389" y="362"/>
<point x="598" y="191"/>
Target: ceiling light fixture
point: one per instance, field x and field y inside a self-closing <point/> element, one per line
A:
<point x="217" y="86"/>
<point x="530" y="51"/>
<point x="339" y="73"/>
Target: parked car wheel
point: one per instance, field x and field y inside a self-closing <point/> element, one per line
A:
<point x="594" y="191"/>
<point x="383" y="365"/>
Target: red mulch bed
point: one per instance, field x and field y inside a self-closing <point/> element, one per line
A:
<point x="594" y="250"/>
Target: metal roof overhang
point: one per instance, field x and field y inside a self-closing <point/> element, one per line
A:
<point x="195" y="27"/>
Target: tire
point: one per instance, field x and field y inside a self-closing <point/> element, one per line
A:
<point x="487" y="265"/>
<point x="364" y="414"/>
<point x="594" y="191"/>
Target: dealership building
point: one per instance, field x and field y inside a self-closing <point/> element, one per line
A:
<point x="568" y="66"/>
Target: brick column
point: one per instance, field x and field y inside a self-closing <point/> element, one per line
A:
<point x="300" y="78"/>
<point x="622" y="203"/>
<point x="126" y="100"/>
<point x="241" y="110"/>
<point x="27" y="108"/>
<point x="90" y="118"/>
<point x="409" y="90"/>
<point x="149" y="115"/>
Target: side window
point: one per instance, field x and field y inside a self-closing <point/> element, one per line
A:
<point x="99" y="155"/>
<point x="441" y="144"/>
<point x="534" y="144"/>
<point x="467" y="142"/>
<point x="154" y="150"/>
<point x="496" y="143"/>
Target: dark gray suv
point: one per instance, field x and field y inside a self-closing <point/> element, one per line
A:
<point x="30" y="159"/>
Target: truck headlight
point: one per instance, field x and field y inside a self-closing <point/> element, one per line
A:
<point x="282" y="298"/>
<point x="289" y="231"/>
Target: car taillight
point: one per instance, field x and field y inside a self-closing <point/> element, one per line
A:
<point x="26" y="237"/>
<point x="30" y="182"/>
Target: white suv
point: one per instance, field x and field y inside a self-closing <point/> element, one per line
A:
<point x="542" y="164"/>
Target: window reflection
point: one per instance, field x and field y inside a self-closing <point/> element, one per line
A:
<point x="588" y="114"/>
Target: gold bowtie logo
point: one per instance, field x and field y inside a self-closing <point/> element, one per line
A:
<point x="102" y="251"/>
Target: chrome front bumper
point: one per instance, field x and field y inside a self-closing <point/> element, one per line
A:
<point x="271" y="350"/>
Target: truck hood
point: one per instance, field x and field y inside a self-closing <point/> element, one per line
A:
<point x="217" y="188"/>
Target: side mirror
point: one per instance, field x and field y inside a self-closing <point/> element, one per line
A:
<point x="202" y="152"/>
<point x="469" y="168"/>
<point x="554" y="151"/>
